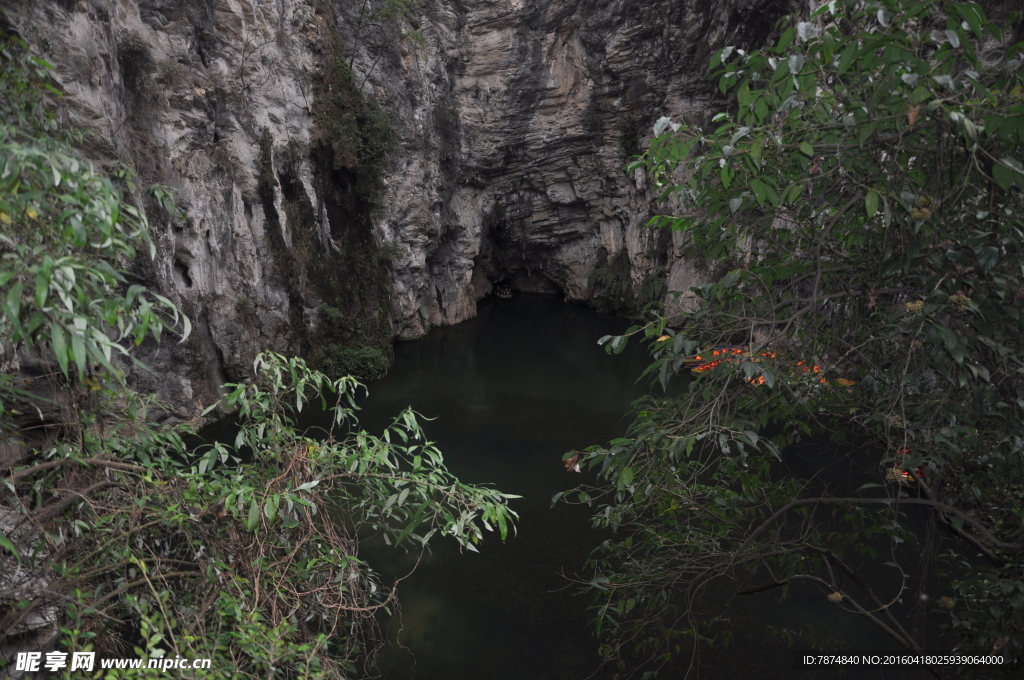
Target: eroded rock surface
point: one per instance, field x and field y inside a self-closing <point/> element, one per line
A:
<point x="514" y="118"/>
<point x="180" y="90"/>
<point x="525" y="114"/>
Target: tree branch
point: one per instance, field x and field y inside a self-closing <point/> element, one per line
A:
<point x="880" y="501"/>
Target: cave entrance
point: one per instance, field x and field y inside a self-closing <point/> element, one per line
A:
<point x="532" y="281"/>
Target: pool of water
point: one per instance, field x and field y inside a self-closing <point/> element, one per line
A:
<point x="508" y="393"/>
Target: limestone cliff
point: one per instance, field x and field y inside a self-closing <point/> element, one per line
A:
<point x="513" y="122"/>
<point x="520" y="118"/>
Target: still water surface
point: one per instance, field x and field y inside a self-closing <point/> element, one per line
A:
<point x="511" y="391"/>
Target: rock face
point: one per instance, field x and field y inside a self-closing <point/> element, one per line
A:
<point x="180" y="89"/>
<point x="520" y="119"/>
<point x="514" y="120"/>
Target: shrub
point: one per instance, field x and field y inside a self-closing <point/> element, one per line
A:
<point x="120" y="539"/>
<point x="866" y="192"/>
<point x="360" y="361"/>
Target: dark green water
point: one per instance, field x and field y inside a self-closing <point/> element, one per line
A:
<point x="511" y="391"/>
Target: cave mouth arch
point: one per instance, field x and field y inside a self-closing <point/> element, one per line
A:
<point x="526" y="280"/>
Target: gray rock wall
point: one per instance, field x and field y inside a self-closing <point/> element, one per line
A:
<point x="514" y="118"/>
<point x="180" y="89"/>
<point x="527" y="111"/>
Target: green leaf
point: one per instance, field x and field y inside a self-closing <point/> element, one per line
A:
<point x="1013" y="164"/>
<point x="1002" y="175"/>
<point x="919" y="94"/>
<point x="7" y="545"/>
<point x="502" y="523"/>
<point x="785" y="40"/>
<point x="806" y="149"/>
<point x="721" y="56"/>
<point x="871" y="203"/>
<point x="726" y="176"/>
<point x="866" y="132"/>
<point x="78" y="231"/>
<point x="43" y="283"/>
<point x="760" y="190"/>
<point x="846" y="60"/>
<point x="417" y="519"/>
<point x="625" y="477"/>
<point x="743" y="96"/>
<point x="761" y="109"/>
<point x="271" y="506"/>
<point x="81" y="357"/>
<point x="59" y="346"/>
<point x="13" y="305"/>
<point x="254" y="516"/>
<point x="971" y="16"/>
<point x="995" y="31"/>
<point x="33" y="323"/>
<point x="987" y="258"/>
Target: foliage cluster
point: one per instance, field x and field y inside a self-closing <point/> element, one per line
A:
<point x="653" y="288"/>
<point x="864" y="195"/>
<point x="337" y="359"/>
<point x="64" y="225"/>
<point x="610" y="282"/>
<point x="612" y="288"/>
<point x="355" y="128"/>
<point x="353" y="357"/>
<point x="119" y="538"/>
